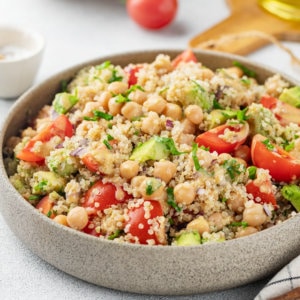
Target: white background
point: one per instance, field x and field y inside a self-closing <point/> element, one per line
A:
<point x="76" y="31"/>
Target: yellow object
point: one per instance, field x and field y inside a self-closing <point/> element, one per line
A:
<point x="285" y="9"/>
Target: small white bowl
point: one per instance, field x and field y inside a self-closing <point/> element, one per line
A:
<point x="20" y="56"/>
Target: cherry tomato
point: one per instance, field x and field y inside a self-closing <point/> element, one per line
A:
<point x="284" y="112"/>
<point x="45" y="206"/>
<point x="185" y="56"/>
<point x="281" y="165"/>
<point x="90" y="162"/>
<point x="91" y="229"/>
<point x="152" y="14"/>
<point x="255" y="190"/>
<point x="213" y="139"/>
<point x="141" y="220"/>
<point x="61" y="127"/>
<point x="101" y="196"/>
<point x="131" y="72"/>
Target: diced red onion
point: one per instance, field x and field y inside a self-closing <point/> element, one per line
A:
<point x="267" y="210"/>
<point x="78" y="152"/>
<point x="53" y="114"/>
<point x="169" y="124"/>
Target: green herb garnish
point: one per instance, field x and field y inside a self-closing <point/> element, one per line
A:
<point x="194" y="157"/>
<point x="114" y="76"/>
<point x="268" y="144"/>
<point x="99" y="115"/>
<point x="171" y="200"/>
<point x="149" y="188"/>
<point x="107" y="144"/>
<point x="232" y="168"/>
<point x="245" y="70"/>
<point x="116" y="234"/>
<point x="252" y="172"/>
<point x="238" y="224"/>
<point x="104" y="65"/>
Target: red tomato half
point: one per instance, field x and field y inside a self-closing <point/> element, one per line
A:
<point x="257" y="193"/>
<point x="140" y="219"/>
<point x="284" y="112"/>
<point x="185" y="56"/>
<point x="45" y="206"/>
<point x="281" y="165"/>
<point x="101" y="196"/>
<point x="61" y="127"/>
<point x="90" y="229"/>
<point x="152" y="14"/>
<point x="213" y="139"/>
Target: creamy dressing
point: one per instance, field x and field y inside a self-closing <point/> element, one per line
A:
<point x="12" y="52"/>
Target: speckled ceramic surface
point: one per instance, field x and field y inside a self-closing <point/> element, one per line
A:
<point x="141" y="269"/>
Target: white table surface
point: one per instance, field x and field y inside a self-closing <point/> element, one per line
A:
<point x="76" y="31"/>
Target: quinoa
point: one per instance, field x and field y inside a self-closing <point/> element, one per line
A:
<point x="130" y="154"/>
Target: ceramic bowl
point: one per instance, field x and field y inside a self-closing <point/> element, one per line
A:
<point x="164" y="270"/>
<point x="20" y="56"/>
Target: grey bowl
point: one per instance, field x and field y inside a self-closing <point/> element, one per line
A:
<point x="163" y="270"/>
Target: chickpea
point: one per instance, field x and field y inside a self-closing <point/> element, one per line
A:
<point x="103" y="99"/>
<point x="184" y="193"/>
<point x="194" y="114"/>
<point x="61" y="219"/>
<point x="151" y="124"/>
<point x="187" y="139"/>
<point x="216" y="221"/>
<point x="199" y="224"/>
<point x="173" y="111"/>
<point x="155" y="103"/>
<point x="114" y="108"/>
<point x="188" y="126"/>
<point x="254" y="215"/>
<point x="156" y="186"/>
<point x="77" y="218"/>
<point x="117" y="87"/>
<point x="245" y="231"/>
<point x="165" y="170"/>
<point x="234" y="72"/>
<point x="137" y="181"/>
<point x="129" y="169"/>
<point x="132" y="110"/>
<point x="138" y="96"/>
<point x="236" y="202"/>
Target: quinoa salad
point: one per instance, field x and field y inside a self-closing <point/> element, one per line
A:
<point x="169" y="152"/>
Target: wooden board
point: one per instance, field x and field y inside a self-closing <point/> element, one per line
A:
<point x="247" y="15"/>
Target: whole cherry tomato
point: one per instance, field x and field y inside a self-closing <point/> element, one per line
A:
<point x="152" y="14"/>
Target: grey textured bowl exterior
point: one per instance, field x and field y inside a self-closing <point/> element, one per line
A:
<point x="163" y="270"/>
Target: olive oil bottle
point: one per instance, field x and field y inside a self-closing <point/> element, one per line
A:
<point x="285" y="9"/>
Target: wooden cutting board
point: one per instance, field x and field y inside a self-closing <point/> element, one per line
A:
<point x="247" y="15"/>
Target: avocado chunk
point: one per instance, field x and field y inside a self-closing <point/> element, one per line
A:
<point x="63" y="102"/>
<point x="291" y="96"/>
<point x="188" y="238"/>
<point x="45" y="182"/>
<point x="220" y="116"/>
<point x="155" y="148"/>
<point x="292" y="194"/>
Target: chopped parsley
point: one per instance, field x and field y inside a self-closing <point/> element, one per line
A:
<point x="268" y="144"/>
<point x="149" y="188"/>
<point x="232" y="168"/>
<point x="245" y="70"/>
<point x="107" y="144"/>
<point x="104" y="65"/>
<point x="241" y="115"/>
<point x="99" y="115"/>
<point x="288" y="146"/>
<point x="252" y="172"/>
<point x="114" y="76"/>
<point x="216" y="104"/>
<point x="116" y="234"/>
<point x="171" y="200"/>
<point x="239" y="224"/>
<point x="121" y="99"/>
<point x="40" y="186"/>
<point x="170" y="145"/>
<point x="195" y="158"/>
